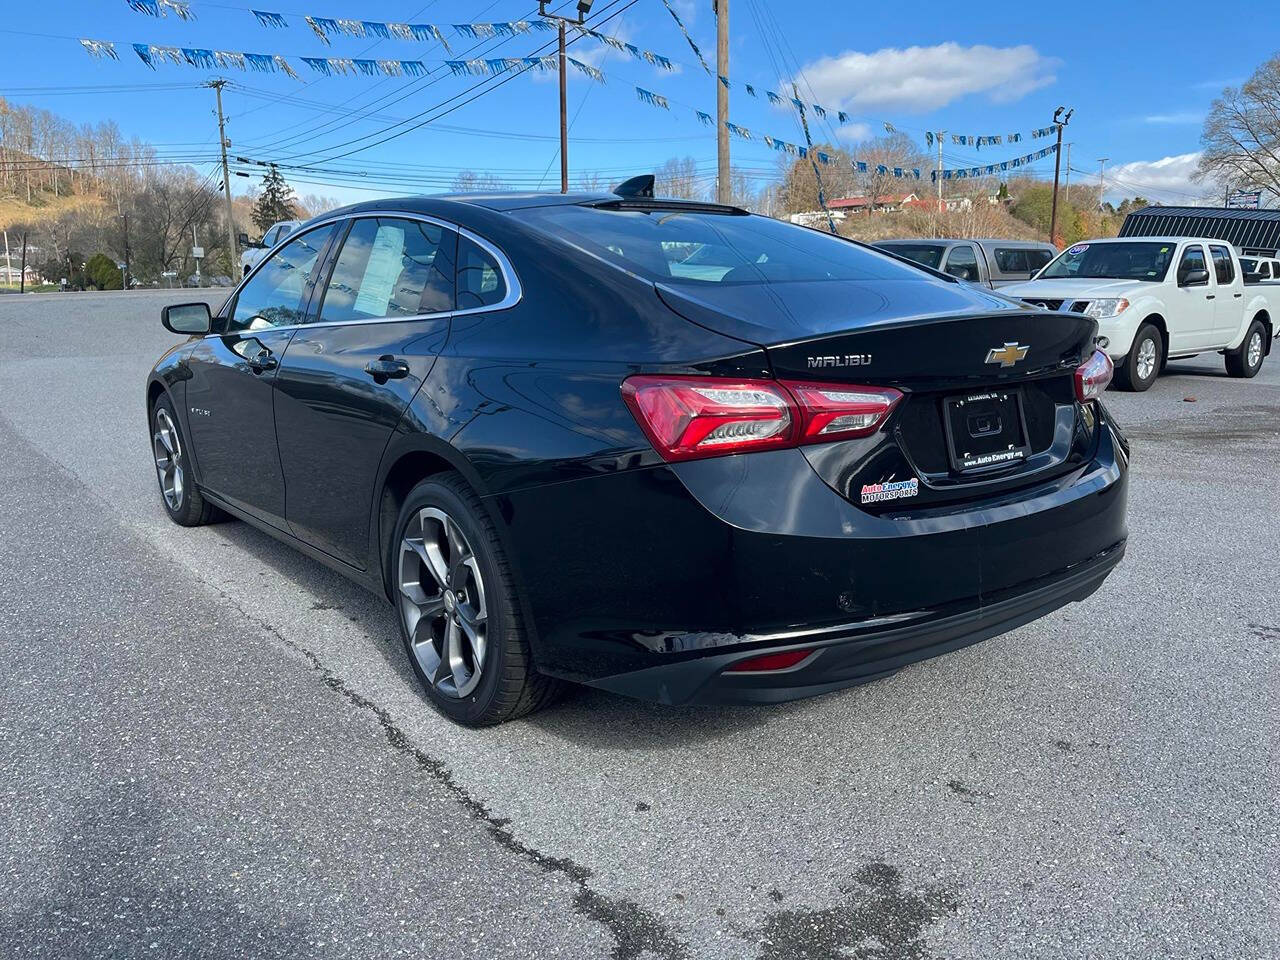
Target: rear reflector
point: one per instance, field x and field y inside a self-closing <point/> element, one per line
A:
<point x="1093" y="376"/>
<point x="770" y="661"/>
<point x="688" y="417"/>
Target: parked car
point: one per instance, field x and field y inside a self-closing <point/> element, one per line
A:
<point x="992" y="263"/>
<point x="1259" y="269"/>
<point x="1159" y="299"/>
<point x="665" y="448"/>
<point x="254" y="252"/>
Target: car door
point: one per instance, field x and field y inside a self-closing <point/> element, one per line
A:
<point x="1228" y="307"/>
<point x="352" y="370"/>
<point x="1191" y="323"/>
<point x="962" y="262"/>
<point x="233" y="371"/>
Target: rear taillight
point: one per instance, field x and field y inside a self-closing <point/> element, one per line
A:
<point x="686" y="418"/>
<point x="832" y="411"/>
<point x="690" y="417"/>
<point x="1093" y="376"/>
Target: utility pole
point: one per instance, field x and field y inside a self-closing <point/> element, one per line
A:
<point x="942" y="207"/>
<point x="1102" y="165"/>
<point x="124" y="217"/>
<point x="584" y="7"/>
<point x="1066" y="180"/>
<point x="22" y="276"/>
<point x="722" y="101"/>
<point x="226" y="175"/>
<point x="8" y="264"/>
<point x="1059" y="121"/>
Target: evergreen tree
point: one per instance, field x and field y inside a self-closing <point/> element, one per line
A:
<point x="275" y="203"/>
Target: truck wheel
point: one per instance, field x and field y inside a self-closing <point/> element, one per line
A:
<point x="1141" y="367"/>
<point x="1247" y="361"/>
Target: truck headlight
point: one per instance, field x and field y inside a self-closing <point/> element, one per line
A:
<point x="1106" y="307"/>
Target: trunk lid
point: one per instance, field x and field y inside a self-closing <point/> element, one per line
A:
<point x="989" y="397"/>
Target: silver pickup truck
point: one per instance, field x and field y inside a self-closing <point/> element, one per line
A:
<point x="992" y="263"/>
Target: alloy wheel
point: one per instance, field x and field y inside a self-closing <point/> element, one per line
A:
<point x="1146" y="359"/>
<point x="168" y="453"/>
<point x="442" y="602"/>
<point x="1254" y="355"/>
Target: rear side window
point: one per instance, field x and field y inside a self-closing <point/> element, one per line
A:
<point x="391" y="268"/>
<point x="1009" y="260"/>
<point x="1222" y="265"/>
<point x="928" y="254"/>
<point x="962" y="262"/>
<point x="1037" y="259"/>
<point x="696" y="247"/>
<point x="480" y="281"/>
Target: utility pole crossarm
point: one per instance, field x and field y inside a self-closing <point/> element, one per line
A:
<point x="584" y="8"/>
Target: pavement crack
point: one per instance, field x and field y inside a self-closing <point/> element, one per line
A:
<point x="637" y="932"/>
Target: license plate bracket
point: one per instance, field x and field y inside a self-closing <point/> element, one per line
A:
<point x="986" y="430"/>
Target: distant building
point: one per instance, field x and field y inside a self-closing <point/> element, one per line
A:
<point x="1254" y="232"/>
<point x="843" y="207"/>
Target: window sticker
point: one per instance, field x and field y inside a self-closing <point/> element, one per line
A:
<point x="386" y="261"/>
<point x="1079" y="248"/>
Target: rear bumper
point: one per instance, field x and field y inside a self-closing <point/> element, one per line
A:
<point x="860" y="652"/>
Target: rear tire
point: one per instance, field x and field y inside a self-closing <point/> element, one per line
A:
<point x="460" y="618"/>
<point x="1140" y="368"/>
<point x="1247" y="361"/>
<point x="181" y="497"/>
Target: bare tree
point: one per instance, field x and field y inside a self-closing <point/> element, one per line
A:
<point x="1241" y="135"/>
<point x="678" y="178"/>
<point x="468" y="181"/>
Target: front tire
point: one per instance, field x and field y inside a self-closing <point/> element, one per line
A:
<point x="1247" y="361"/>
<point x="1141" y="367"/>
<point x="460" y="619"/>
<point x="182" y="499"/>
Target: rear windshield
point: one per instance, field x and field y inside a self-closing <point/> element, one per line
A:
<point x="1112" y="261"/>
<point x="930" y="254"/>
<point x="695" y="248"/>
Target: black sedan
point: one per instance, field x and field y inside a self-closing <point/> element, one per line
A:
<point x="664" y="448"/>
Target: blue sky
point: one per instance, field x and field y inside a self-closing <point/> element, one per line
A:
<point x="1140" y="85"/>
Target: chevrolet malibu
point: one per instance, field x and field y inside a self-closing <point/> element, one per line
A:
<point x="664" y="448"/>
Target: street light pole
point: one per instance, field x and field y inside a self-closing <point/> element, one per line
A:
<point x="584" y="7"/>
<point x="1102" y="165"/>
<point x="1059" y="121"/>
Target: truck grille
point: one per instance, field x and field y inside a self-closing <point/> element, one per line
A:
<point x="1043" y="303"/>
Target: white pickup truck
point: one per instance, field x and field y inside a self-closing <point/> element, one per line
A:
<point x="1159" y="299"/>
<point x="254" y="252"/>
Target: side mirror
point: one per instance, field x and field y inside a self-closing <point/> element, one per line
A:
<point x="1193" y="278"/>
<point x="243" y="240"/>
<point x="188" y="318"/>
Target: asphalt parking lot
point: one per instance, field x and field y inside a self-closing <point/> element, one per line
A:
<point x="211" y="746"/>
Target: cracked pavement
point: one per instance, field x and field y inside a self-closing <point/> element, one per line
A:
<point x="211" y="746"/>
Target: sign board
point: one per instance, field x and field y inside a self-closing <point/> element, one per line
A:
<point x="1244" y="200"/>
<point x="197" y="253"/>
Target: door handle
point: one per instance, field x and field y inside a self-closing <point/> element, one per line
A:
<point x="263" y="362"/>
<point x="1210" y="296"/>
<point x="386" y="368"/>
<point x="1237" y="295"/>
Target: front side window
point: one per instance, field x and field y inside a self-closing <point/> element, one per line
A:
<point x="480" y="282"/>
<point x="269" y="238"/>
<point x="962" y="262"/>
<point x="1142" y="260"/>
<point x="1009" y="260"/>
<point x="1222" y="264"/>
<point x="276" y="296"/>
<point x="1192" y="261"/>
<point x="282" y="231"/>
<point x="391" y="268"/>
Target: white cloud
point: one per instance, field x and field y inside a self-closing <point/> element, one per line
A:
<point x="853" y="132"/>
<point x="1174" y="118"/>
<point x="918" y="79"/>
<point x="1167" y="180"/>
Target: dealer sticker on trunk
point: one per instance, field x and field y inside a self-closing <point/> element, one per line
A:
<point x="892" y="490"/>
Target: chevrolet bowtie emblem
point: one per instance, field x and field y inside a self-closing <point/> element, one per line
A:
<point x="1007" y="355"/>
